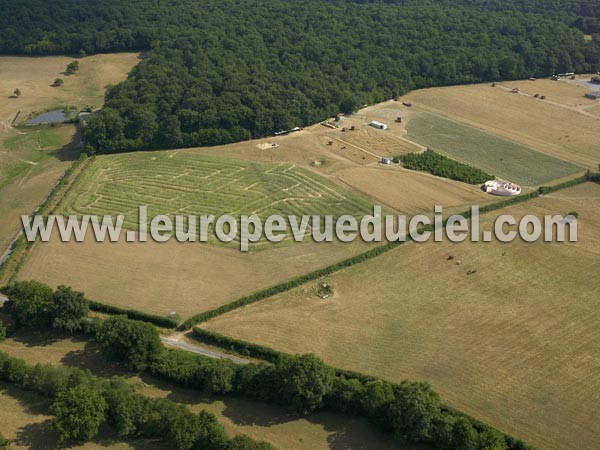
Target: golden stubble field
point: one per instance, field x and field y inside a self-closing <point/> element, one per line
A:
<point x="559" y="125"/>
<point x="517" y="344"/>
<point x="32" y="159"/>
<point x="186" y="278"/>
<point x="190" y="278"/>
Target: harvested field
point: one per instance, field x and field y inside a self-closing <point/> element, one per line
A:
<point x="565" y="92"/>
<point x="411" y="192"/>
<point x="322" y="430"/>
<point x="595" y="109"/>
<point x="559" y="130"/>
<point x="33" y="158"/>
<point x="517" y="344"/>
<point x="184" y="182"/>
<point x="378" y="142"/>
<point x="163" y="277"/>
<point x="498" y="156"/>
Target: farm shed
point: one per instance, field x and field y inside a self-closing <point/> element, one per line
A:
<point x="595" y="95"/>
<point x="378" y="125"/>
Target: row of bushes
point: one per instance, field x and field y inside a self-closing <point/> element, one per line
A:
<point x="258" y="351"/>
<point x="287" y="285"/>
<point x="159" y="321"/>
<point x="442" y="166"/>
<point x="84" y="403"/>
<point x="319" y="273"/>
<point x="350" y="387"/>
<point x="34" y="304"/>
<point x="411" y="411"/>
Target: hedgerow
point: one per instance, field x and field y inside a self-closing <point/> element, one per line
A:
<point x="442" y="166"/>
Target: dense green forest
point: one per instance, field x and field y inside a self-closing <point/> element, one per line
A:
<point x="217" y="72"/>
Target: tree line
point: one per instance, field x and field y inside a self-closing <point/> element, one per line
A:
<point x="442" y="166"/>
<point x="83" y="403"/>
<point x="218" y="72"/>
<point x="411" y="411"/>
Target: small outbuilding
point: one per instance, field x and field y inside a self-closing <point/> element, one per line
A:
<point x="594" y="95"/>
<point x="378" y="125"/>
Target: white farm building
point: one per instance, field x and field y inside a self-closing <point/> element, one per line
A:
<point x="378" y="125"/>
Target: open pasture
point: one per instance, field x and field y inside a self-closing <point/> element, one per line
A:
<point x="517" y="344"/>
<point x="558" y="129"/>
<point x="500" y="157"/>
<point x="412" y="192"/>
<point x="160" y="278"/>
<point x="379" y="142"/>
<point x="33" y="158"/>
<point x="180" y="182"/>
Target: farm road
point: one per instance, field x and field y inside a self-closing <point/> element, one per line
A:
<point x="176" y="340"/>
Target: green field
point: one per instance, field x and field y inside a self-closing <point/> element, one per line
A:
<point x="30" y="149"/>
<point x="500" y="157"/>
<point x="179" y="182"/>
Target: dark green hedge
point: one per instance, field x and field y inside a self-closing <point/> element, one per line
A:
<point x="316" y="274"/>
<point x="164" y="322"/>
<point x="442" y="166"/>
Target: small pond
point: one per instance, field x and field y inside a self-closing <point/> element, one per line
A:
<point x="56" y="116"/>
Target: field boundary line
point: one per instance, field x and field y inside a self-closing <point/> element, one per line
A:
<point x="497" y="136"/>
<point x="364" y="256"/>
<point x="497" y="133"/>
<point x="260" y="352"/>
<point x="67" y="180"/>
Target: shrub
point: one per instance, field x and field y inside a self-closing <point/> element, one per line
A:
<point x="134" y="342"/>
<point x="29" y="303"/>
<point x="5" y="444"/>
<point x="80" y="411"/>
<point x="72" y="67"/>
<point x="164" y="322"/>
<point x="2" y="331"/>
<point x="242" y="442"/>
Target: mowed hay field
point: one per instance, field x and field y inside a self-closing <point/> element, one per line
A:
<point x="188" y="277"/>
<point x="558" y="129"/>
<point x="160" y="278"/>
<point x="33" y="158"/>
<point x="187" y="182"/>
<point x="495" y="155"/>
<point x="261" y="421"/>
<point x="412" y="192"/>
<point x="517" y="344"/>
